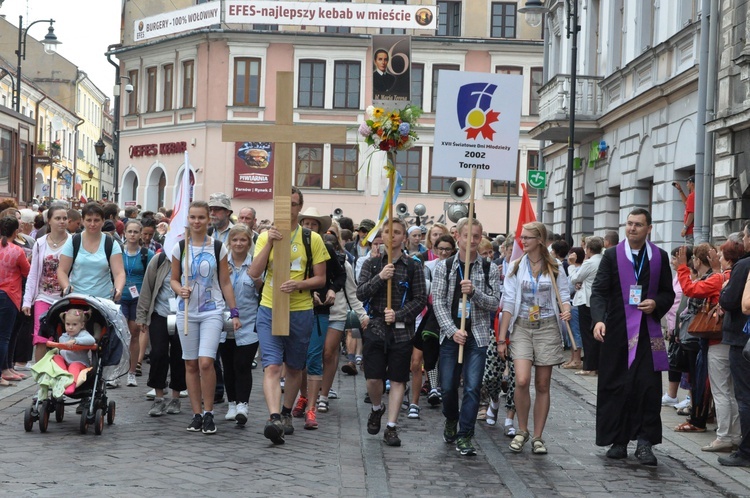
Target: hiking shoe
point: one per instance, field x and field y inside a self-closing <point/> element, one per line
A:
<point x="158" y="409"/>
<point x="231" y="411"/>
<point x="390" y="436"/>
<point x="464" y="446"/>
<point x="450" y="431"/>
<point x="208" y="423"/>
<point x="311" y="422"/>
<point x="332" y="394"/>
<point x="350" y="368"/>
<point x="618" y="451"/>
<point x="173" y="407"/>
<point x="286" y="423"/>
<point x="242" y="411"/>
<point x="323" y="406"/>
<point x="196" y="424"/>
<point x="413" y="411"/>
<point x="274" y="431"/>
<point x="645" y="455"/>
<point x="131" y="380"/>
<point x="299" y="409"/>
<point x="373" y="421"/>
<point x="434" y="398"/>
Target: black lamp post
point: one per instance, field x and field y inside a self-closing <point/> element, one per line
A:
<point x="50" y="46"/>
<point x="535" y="8"/>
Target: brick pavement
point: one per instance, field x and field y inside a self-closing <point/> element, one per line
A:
<point x="140" y="455"/>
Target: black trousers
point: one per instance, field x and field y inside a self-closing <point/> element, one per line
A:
<point x="165" y="356"/>
<point x="238" y="369"/>
<point x="591" y="346"/>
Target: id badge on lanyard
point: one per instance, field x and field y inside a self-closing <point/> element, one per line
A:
<point x="535" y="312"/>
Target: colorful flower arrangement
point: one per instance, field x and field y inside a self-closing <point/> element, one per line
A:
<point x="390" y="131"/>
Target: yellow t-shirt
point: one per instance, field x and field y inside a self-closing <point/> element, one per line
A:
<point x="299" y="300"/>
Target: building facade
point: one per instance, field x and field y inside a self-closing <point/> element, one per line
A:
<point x="187" y="85"/>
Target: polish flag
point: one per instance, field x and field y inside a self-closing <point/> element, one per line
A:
<point x="526" y="215"/>
<point x="180" y="212"/>
<point x="83" y="199"/>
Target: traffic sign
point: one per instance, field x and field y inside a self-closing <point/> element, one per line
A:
<point x="536" y="179"/>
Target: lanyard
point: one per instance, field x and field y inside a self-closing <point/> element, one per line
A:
<point x="193" y="268"/>
<point x="128" y="267"/>
<point x="534" y="283"/>
<point x="236" y="275"/>
<point x="637" y="269"/>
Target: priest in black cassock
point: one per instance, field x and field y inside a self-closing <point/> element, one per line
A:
<point x="631" y="292"/>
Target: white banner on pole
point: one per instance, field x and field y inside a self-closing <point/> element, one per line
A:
<point x="477" y="125"/>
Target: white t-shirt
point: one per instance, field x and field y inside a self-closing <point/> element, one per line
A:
<point x="206" y="296"/>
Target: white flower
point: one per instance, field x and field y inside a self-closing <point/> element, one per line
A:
<point x="368" y="112"/>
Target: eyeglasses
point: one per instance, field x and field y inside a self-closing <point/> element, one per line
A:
<point x="524" y="238"/>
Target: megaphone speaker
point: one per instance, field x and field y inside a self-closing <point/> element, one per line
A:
<point x="457" y="211"/>
<point x="338" y="212"/>
<point x="460" y="190"/>
<point x="402" y="209"/>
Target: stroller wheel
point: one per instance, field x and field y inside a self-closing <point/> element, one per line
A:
<point x="44" y="417"/>
<point x="111" y="413"/>
<point x="84" y="424"/>
<point x="59" y="410"/>
<point x="98" y="422"/>
<point x="28" y="419"/>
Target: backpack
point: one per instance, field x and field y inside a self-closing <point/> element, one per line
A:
<point x="109" y="243"/>
<point x="307" y="242"/>
<point x="485" y="269"/>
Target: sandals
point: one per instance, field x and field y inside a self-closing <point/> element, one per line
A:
<point x="516" y="445"/>
<point x="688" y="427"/>
<point x="537" y="446"/>
<point x="573" y="365"/>
<point x="491" y="416"/>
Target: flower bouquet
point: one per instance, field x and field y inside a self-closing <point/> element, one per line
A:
<point x="390" y="131"/>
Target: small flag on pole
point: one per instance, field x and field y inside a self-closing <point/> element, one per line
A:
<point x="526" y="215"/>
<point x="180" y="213"/>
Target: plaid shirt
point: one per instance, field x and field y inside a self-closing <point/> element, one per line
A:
<point x="484" y="302"/>
<point x="373" y="288"/>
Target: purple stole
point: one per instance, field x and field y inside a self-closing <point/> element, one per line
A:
<point x="633" y="315"/>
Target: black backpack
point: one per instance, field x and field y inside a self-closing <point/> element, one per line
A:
<point x="217" y="252"/>
<point x="485" y="269"/>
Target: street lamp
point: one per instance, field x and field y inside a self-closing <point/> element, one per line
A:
<point x="99" y="148"/>
<point x="534" y="7"/>
<point x="50" y="46"/>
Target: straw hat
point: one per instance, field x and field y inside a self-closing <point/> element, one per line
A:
<point x="323" y="220"/>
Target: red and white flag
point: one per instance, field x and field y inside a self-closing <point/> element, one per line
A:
<point x="526" y="215"/>
<point x="83" y="199"/>
<point x="180" y="212"/>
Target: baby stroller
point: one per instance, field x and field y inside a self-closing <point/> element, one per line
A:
<point x="109" y="360"/>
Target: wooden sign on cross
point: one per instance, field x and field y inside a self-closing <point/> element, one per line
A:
<point x="284" y="133"/>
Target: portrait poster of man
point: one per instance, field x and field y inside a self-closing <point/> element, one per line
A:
<point x="253" y="170"/>
<point x="391" y="69"/>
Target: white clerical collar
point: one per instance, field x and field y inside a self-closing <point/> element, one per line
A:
<point x="381" y="73"/>
<point x="629" y="250"/>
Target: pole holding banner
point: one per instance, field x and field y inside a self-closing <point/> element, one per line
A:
<point x="186" y="272"/>
<point x="467" y="263"/>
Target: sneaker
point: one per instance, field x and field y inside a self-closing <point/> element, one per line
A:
<point x="299" y="409"/>
<point x="388" y="386"/>
<point x="373" y="421"/>
<point x="668" y="400"/>
<point x="231" y="411"/>
<point x="450" y="431"/>
<point x="350" y="368"/>
<point x="322" y="406"/>
<point x="413" y="411"/>
<point x="112" y="384"/>
<point x="196" y="424"/>
<point x="131" y="380"/>
<point x="332" y="394"/>
<point x="173" y="407"/>
<point x="158" y="409"/>
<point x="286" y="422"/>
<point x="311" y="422"/>
<point x="434" y="398"/>
<point x="283" y="383"/>
<point x="242" y="412"/>
<point x="274" y="431"/>
<point x="151" y="395"/>
<point x="358" y="360"/>
<point x="683" y="404"/>
<point x="645" y="455"/>
<point x="390" y="436"/>
<point x="208" y="423"/>
<point x="734" y="460"/>
<point x="464" y="446"/>
<point x="184" y="394"/>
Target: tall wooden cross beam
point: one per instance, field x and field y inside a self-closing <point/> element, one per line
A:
<point x="284" y="133"/>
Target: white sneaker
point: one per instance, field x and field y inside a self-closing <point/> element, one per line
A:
<point x="231" y="411"/>
<point x="131" y="380"/>
<point x="668" y="400"/>
<point x="184" y="394"/>
<point x="682" y="404"/>
<point x="113" y="384"/>
<point x="242" y="411"/>
<point x="413" y="411"/>
<point x="151" y="395"/>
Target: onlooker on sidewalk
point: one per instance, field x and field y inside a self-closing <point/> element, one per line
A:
<point x="583" y="281"/>
<point x="689" y="216"/>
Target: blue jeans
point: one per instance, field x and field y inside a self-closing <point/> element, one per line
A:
<point x="450" y="375"/>
<point x="8" y="312"/>
<point x="575" y="327"/>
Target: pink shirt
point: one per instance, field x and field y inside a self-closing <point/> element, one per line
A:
<point x="13" y="267"/>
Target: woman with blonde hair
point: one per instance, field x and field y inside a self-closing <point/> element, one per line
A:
<point x="436" y="231"/>
<point x="531" y="314"/>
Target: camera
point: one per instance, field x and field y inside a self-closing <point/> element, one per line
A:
<point x="128" y="88"/>
<point x="674" y="184"/>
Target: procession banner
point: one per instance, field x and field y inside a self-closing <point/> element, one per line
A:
<point x="253" y="170"/>
<point x="477" y="125"/>
<point x="391" y="70"/>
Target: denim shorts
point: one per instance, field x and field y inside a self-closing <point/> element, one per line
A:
<point x="128" y="308"/>
<point x="290" y="349"/>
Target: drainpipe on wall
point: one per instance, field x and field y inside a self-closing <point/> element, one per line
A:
<point x="545" y="76"/>
<point x="699" y="230"/>
<point x="707" y="202"/>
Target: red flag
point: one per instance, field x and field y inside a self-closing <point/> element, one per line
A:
<point x="526" y="215"/>
<point x="83" y="199"/>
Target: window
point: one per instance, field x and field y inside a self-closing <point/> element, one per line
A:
<point x="246" y="81"/>
<point x="508" y="70"/>
<point x="133" y="97"/>
<point x="503" y="20"/>
<point x="449" y="19"/>
<point x="344" y="166"/>
<point x="409" y="164"/>
<point x="309" y="166"/>
<point x="168" y="86"/>
<point x="6" y="160"/>
<point x="187" y="84"/>
<point x="500" y="187"/>
<point x="393" y="31"/>
<point x="417" y="84"/>
<point x="266" y="27"/>
<point x="435" y="70"/>
<point x="532" y="164"/>
<point x="311" y="88"/>
<point x="439" y="183"/>
<point x="346" y="85"/>
<point x="338" y="29"/>
<point x="151" y="89"/>
<point x="536" y="85"/>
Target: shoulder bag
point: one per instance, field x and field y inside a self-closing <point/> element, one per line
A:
<point x="707" y="323"/>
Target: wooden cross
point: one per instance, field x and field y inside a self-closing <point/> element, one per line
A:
<point x="284" y="133"/>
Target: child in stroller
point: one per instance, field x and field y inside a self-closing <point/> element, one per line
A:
<point x="74" y="361"/>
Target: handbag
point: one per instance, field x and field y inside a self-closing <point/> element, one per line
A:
<point x="707" y="323"/>
<point x="677" y="357"/>
<point x="352" y="320"/>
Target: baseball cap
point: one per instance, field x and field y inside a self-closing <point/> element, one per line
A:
<point x="366" y="225"/>
<point x="691" y="179"/>
<point x="220" y="200"/>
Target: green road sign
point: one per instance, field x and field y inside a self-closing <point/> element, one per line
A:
<point x="536" y="179"/>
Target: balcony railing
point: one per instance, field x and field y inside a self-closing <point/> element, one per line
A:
<point x="555" y="98"/>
